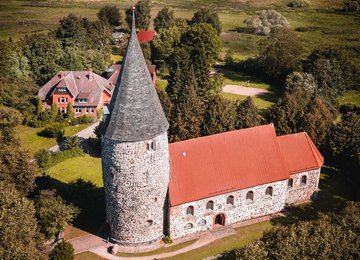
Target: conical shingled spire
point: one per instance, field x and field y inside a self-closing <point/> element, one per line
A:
<point x="135" y="109"/>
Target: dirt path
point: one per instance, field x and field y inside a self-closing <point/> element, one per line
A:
<point x="245" y="91"/>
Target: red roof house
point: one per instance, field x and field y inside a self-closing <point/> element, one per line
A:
<point x="145" y="36"/>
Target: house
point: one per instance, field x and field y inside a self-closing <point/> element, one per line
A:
<point x="145" y="36"/>
<point x="85" y="90"/>
<point x="154" y="189"/>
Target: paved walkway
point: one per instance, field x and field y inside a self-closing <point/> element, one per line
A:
<point x="245" y="91"/>
<point x="83" y="243"/>
<point x="83" y="134"/>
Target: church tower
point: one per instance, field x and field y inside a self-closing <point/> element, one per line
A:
<point x="135" y="156"/>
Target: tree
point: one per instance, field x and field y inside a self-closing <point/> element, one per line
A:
<point x="62" y="251"/>
<point x="20" y="238"/>
<point x="280" y="54"/>
<point x="43" y="53"/>
<point x="70" y="110"/>
<point x="219" y="116"/>
<point x="71" y="32"/>
<point x="145" y="47"/>
<point x="343" y="143"/>
<point x="266" y="21"/>
<point x="331" y="236"/>
<point x="300" y="111"/>
<point x="53" y="213"/>
<point x="247" y="114"/>
<point x="165" y="103"/>
<point x="333" y="71"/>
<point x="110" y="14"/>
<point x="72" y="142"/>
<point x="164" y="20"/>
<point x="206" y="16"/>
<point x="142" y="15"/>
<point x="301" y="80"/>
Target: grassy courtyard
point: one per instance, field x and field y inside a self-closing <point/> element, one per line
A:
<point x="30" y="138"/>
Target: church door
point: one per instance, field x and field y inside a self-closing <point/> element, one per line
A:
<point x="220" y="219"/>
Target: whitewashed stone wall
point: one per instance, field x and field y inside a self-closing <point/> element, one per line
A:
<point x="300" y="192"/>
<point x="243" y="209"/>
<point x="135" y="183"/>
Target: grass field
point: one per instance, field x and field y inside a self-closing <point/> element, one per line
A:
<point x="259" y="102"/>
<point x="88" y="256"/>
<point x="86" y="168"/>
<point x="30" y="139"/>
<point x="352" y="97"/>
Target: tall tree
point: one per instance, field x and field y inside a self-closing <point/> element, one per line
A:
<point x="142" y="15"/>
<point x="71" y="32"/>
<point x="20" y="238"/>
<point x="280" y="54"/>
<point x="53" y="213"/>
<point x="110" y="14"/>
<point x="247" y="114"/>
<point x="164" y="19"/>
<point x="219" y="116"/>
<point x="206" y="16"/>
<point x="43" y="53"/>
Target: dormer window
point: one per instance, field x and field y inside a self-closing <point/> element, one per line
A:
<point x="82" y="100"/>
<point x="151" y="146"/>
<point x="60" y="89"/>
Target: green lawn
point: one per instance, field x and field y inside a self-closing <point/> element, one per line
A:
<point x="352" y="97"/>
<point x="160" y="250"/>
<point x="87" y="168"/>
<point x="116" y="58"/>
<point x="88" y="256"/>
<point x="243" y="236"/>
<point x="161" y="84"/>
<point x="238" y="78"/>
<point x="30" y="139"/>
<point x="260" y="102"/>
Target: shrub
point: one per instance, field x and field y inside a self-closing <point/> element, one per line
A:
<point x="266" y="21"/>
<point x="351" y="6"/>
<point x="43" y="158"/>
<point x="85" y="119"/>
<point x="62" y="251"/>
<point x="72" y="142"/>
<point x="167" y="240"/>
<point x="46" y="159"/>
<point x="298" y="4"/>
<point x="348" y="108"/>
<point x="53" y="130"/>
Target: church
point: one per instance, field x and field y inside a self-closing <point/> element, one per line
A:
<point x="153" y="188"/>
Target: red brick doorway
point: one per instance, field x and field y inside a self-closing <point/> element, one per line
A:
<point x="220" y="220"/>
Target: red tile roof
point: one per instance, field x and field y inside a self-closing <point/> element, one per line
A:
<point x="299" y="152"/>
<point x="221" y="163"/>
<point x="145" y="36"/>
<point x="117" y="68"/>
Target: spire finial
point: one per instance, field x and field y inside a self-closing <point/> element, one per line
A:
<point x="133" y="17"/>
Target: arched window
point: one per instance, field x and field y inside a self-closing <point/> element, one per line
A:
<point x="230" y="200"/>
<point x="210" y="205"/>
<point x="250" y="196"/>
<point x="290" y="183"/>
<point x="149" y="223"/>
<point x="269" y="191"/>
<point x="188" y="226"/>
<point x="190" y="211"/>
<point x="303" y="180"/>
<point x="202" y="223"/>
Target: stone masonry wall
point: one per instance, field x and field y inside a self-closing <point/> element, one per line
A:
<point x="300" y="192"/>
<point x="242" y="209"/>
<point x="135" y="183"/>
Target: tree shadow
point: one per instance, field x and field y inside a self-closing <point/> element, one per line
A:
<point x="84" y="195"/>
<point x="334" y="192"/>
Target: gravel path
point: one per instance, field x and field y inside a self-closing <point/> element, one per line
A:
<point x="245" y="91"/>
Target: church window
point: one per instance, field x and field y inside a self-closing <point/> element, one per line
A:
<point x="190" y="211"/>
<point x="151" y="146"/>
<point x="149" y="223"/>
<point x="250" y="196"/>
<point x="269" y="191"/>
<point x="210" y="206"/>
<point x="290" y="183"/>
<point x="230" y="200"/>
<point x="202" y="223"/>
<point x="188" y="226"/>
<point x="303" y="180"/>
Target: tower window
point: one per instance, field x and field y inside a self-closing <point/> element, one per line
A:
<point x="290" y="183"/>
<point x="188" y="226"/>
<point x="210" y="206"/>
<point x="250" y="196"/>
<point x="149" y="223"/>
<point x="202" y="223"/>
<point x="151" y="146"/>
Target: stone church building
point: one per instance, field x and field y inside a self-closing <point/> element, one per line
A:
<point x="154" y="189"/>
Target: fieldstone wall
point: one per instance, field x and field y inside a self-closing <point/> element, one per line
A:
<point x="302" y="192"/>
<point x="182" y="224"/>
<point x="135" y="183"/>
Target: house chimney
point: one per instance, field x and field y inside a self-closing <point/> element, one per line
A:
<point x="90" y="75"/>
<point x="61" y="75"/>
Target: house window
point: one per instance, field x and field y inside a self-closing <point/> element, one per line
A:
<point x="303" y="180"/>
<point x="82" y="100"/>
<point x="230" y="200"/>
<point x="190" y="211"/>
<point x="63" y="100"/>
<point x="63" y="109"/>
<point x="58" y="100"/>
<point x="91" y="110"/>
<point x="151" y="146"/>
<point x="269" y="191"/>
<point x="66" y="100"/>
<point x="188" y="226"/>
<point x="210" y="205"/>
<point x="77" y="110"/>
<point x="290" y="183"/>
<point x="250" y="196"/>
<point x="86" y="110"/>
